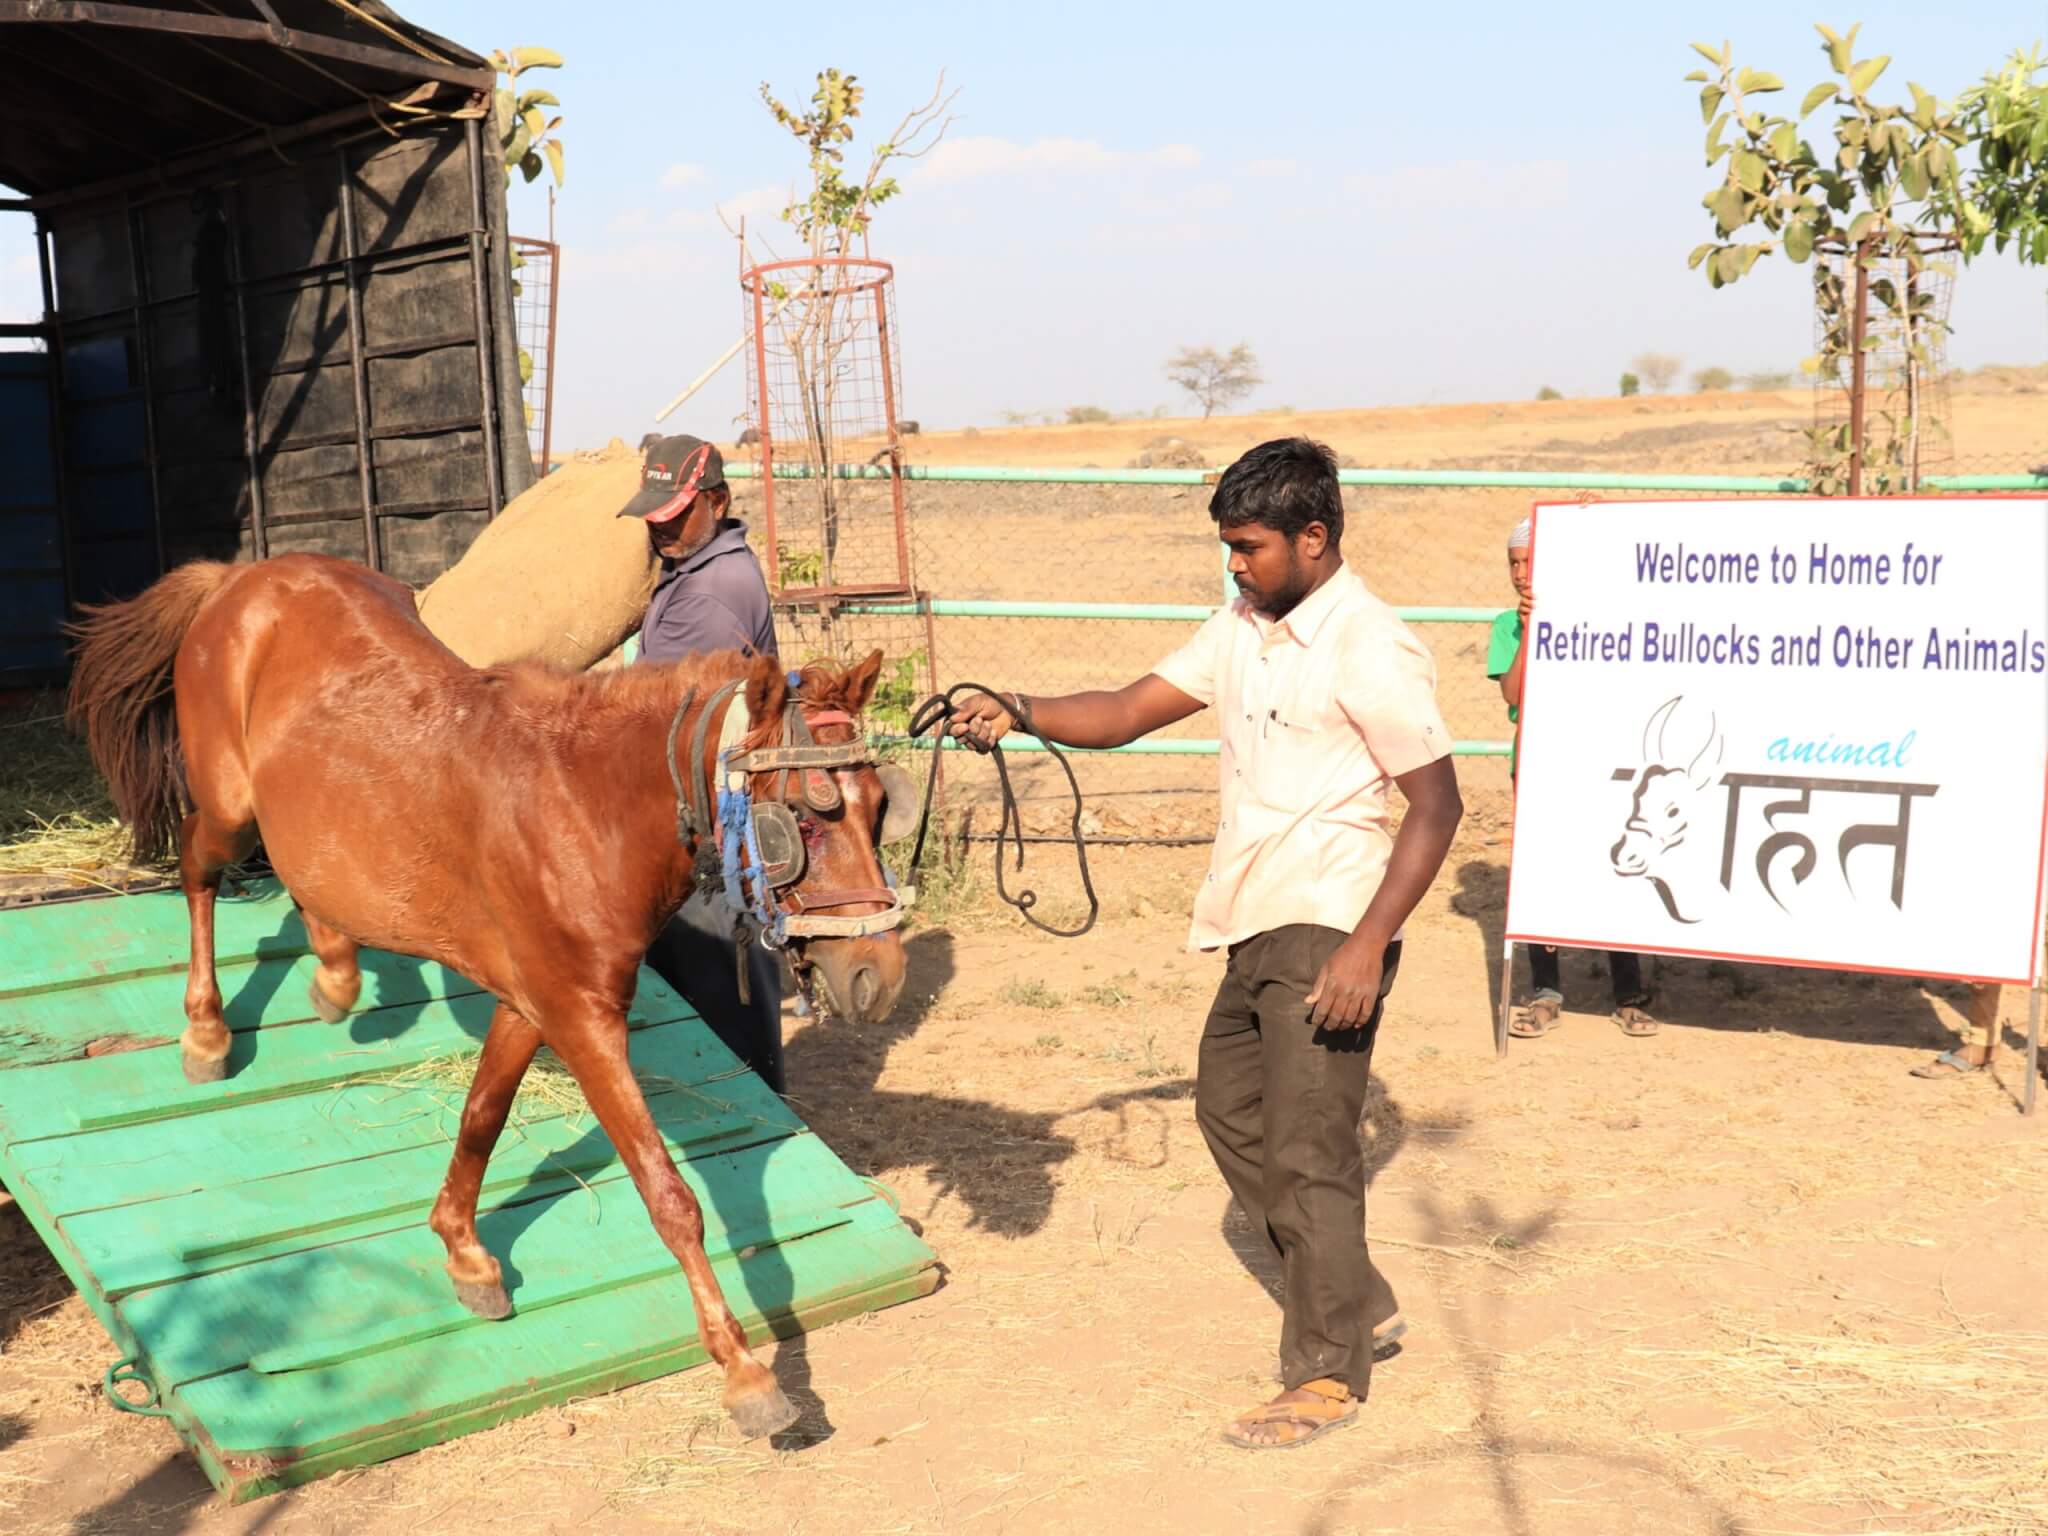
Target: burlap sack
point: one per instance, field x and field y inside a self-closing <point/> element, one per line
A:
<point x="558" y="576"/>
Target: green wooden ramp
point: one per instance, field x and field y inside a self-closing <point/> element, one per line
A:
<point x="258" y="1247"/>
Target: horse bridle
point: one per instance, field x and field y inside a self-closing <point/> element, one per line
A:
<point x="762" y="853"/>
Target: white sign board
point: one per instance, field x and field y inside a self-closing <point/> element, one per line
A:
<point x="1811" y="731"/>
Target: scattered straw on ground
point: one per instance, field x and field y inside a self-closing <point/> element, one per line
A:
<point x="55" y="818"/>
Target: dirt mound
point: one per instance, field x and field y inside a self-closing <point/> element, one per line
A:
<point x="1169" y="453"/>
<point x="559" y="576"/>
<point x="2001" y="379"/>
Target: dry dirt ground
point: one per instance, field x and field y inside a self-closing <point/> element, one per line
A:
<point x="1743" y="1277"/>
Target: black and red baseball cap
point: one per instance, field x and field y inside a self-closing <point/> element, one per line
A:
<point x="673" y="471"/>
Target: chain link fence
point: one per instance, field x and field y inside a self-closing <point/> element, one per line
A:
<point x="1050" y="581"/>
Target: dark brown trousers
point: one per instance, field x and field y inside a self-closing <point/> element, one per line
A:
<point x="1279" y="1102"/>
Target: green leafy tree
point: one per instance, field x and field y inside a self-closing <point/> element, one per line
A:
<point x="1548" y="393"/>
<point x="1630" y="385"/>
<point x="1708" y="381"/>
<point x="528" y="138"/>
<point x="832" y="221"/>
<point x="1891" y="186"/>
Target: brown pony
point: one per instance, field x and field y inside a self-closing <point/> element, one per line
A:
<point x="515" y="824"/>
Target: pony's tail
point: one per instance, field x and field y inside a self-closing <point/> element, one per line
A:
<point x="122" y="700"/>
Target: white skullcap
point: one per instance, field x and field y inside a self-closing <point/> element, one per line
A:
<point x="1520" y="537"/>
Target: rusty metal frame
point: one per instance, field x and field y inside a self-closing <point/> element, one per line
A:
<point x="259" y="533"/>
<point x="547" y="408"/>
<point x="200" y="24"/>
<point x="358" y="368"/>
<point x="486" y="372"/>
<point x="764" y="436"/>
<point x="209" y="162"/>
<point x="53" y="320"/>
<point x="879" y="275"/>
<point x="1859" y="331"/>
<point x="141" y="310"/>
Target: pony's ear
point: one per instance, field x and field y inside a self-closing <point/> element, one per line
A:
<point x="767" y="689"/>
<point x="857" y="684"/>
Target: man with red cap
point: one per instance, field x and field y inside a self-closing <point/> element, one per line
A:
<point x="710" y="597"/>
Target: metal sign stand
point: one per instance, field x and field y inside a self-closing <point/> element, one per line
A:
<point x="2033" y="1028"/>
<point x="2033" y="1046"/>
<point x="1507" y="984"/>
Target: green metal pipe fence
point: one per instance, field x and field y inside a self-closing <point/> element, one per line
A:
<point x="1478" y="479"/>
<point x="1456" y="479"/>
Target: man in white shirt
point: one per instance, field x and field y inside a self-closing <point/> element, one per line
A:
<point x="1324" y="700"/>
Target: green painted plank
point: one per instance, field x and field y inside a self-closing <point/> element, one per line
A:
<point x="892" y="1267"/>
<point x="551" y="1248"/>
<point x="81" y="943"/>
<point x="66" y="1097"/>
<point x="41" y="1027"/>
<point x="131" y="1246"/>
<point x="243" y="1141"/>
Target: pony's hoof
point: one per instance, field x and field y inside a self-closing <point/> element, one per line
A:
<point x="486" y="1301"/>
<point x="330" y="1011"/>
<point x="203" y="1069"/>
<point x="762" y="1412"/>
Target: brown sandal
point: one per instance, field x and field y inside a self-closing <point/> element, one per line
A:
<point x="1331" y="1407"/>
<point x="1538" y="1019"/>
<point x="1635" y="1021"/>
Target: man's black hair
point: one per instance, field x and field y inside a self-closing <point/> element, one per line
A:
<point x="1284" y="485"/>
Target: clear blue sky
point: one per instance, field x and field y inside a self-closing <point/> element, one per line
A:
<point x="1391" y="204"/>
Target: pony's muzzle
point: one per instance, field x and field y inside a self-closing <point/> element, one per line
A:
<point x="863" y="977"/>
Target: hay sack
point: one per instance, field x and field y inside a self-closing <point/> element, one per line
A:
<point x="558" y="576"/>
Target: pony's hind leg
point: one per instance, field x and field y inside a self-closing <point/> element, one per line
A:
<point x="205" y="848"/>
<point x="508" y="1051"/>
<point x="594" y="1048"/>
<point x="339" y="980"/>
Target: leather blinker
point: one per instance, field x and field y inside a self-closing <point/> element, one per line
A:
<point x="782" y="843"/>
<point x="899" y="815"/>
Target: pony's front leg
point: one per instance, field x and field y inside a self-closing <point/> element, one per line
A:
<point x="205" y="848"/>
<point x="594" y="1049"/>
<point x="507" y="1053"/>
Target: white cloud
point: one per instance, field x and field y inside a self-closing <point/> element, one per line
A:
<point x="682" y="174"/>
<point x="968" y="159"/>
<point x="1280" y="169"/>
<point x="1520" y="186"/>
<point x="631" y="222"/>
<point x="756" y="203"/>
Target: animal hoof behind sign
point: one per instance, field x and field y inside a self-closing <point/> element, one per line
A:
<point x="330" y="1012"/>
<point x="486" y="1301"/>
<point x="762" y="1412"/>
<point x="203" y="1069"/>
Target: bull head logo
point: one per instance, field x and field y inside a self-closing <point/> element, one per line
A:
<point x="1666" y="799"/>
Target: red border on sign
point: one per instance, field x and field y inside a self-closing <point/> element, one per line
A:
<point x="2040" y="837"/>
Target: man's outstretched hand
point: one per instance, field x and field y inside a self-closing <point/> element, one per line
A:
<point x="981" y="721"/>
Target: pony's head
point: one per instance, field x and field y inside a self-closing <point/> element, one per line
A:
<point x="823" y="816"/>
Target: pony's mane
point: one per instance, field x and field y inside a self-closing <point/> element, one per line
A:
<point x="577" y="701"/>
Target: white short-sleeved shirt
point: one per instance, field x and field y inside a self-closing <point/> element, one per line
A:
<point x="1319" y="713"/>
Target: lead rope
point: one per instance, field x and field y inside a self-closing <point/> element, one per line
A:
<point x="934" y="715"/>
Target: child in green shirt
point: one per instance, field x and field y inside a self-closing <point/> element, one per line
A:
<point x="1504" y="660"/>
